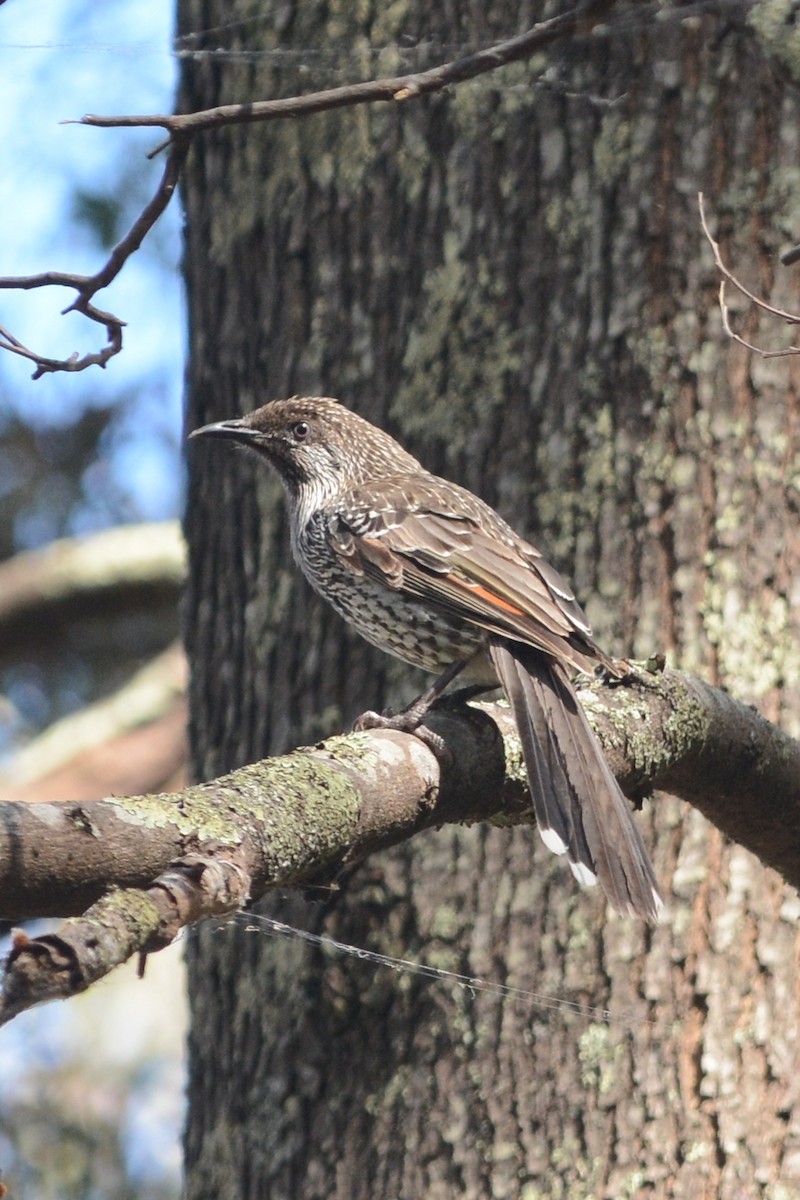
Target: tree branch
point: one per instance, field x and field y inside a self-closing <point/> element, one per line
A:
<point x="396" y="88"/>
<point x="87" y="286"/>
<point x="116" y="560"/>
<point x="788" y="317"/>
<point x="55" y="966"/>
<point x="300" y="818"/>
<point x="183" y="126"/>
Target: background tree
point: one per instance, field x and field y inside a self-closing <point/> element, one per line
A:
<point x="511" y="278"/>
<point x="81" y="453"/>
<point x="80" y="1110"/>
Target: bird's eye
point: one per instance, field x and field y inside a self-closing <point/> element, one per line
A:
<point x="300" y="431"/>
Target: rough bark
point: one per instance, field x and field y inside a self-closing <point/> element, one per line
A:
<point x="512" y="278"/>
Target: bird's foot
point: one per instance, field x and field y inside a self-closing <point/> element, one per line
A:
<point x="408" y="720"/>
<point x="613" y="672"/>
<point x="641" y="673"/>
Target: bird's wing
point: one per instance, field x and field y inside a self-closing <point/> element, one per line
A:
<point x="431" y="539"/>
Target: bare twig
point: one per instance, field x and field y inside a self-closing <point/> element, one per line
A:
<point x="397" y="88"/>
<point x="87" y="286"/>
<point x="75" y="362"/>
<point x="789" y="317"/>
<point x="183" y="126"/>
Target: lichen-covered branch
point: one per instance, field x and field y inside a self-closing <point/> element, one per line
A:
<point x="288" y="819"/>
<point x="140" y="867"/>
<point x="55" y="966"/>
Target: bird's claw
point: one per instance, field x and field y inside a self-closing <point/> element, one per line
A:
<point x="407" y="721"/>
<point x="375" y="720"/>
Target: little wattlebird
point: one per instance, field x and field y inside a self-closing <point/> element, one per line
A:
<point x="427" y="571"/>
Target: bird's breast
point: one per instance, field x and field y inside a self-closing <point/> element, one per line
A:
<point x="421" y="634"/>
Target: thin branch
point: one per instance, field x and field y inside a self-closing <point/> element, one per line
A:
<point x="75" y="362"/>
<point x="789" y="317"/>
<point x="299" y="819"/>
<point x="87" y="286"/>
<point x="397" y="88"/>
<point x="183" y="126"/>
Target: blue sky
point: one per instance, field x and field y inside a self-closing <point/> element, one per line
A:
<point x="58" y="60"/>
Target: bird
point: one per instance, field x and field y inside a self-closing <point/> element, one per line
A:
<point x="427" y="571"/>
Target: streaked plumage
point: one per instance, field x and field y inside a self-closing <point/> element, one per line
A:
<point x="427" y="571"/>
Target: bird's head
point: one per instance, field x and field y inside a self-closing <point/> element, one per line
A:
<point x="315" y="444"/>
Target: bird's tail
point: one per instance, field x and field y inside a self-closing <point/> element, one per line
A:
<point x="579" y="807"/>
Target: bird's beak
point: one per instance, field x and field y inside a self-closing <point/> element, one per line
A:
<point x="237" y="430"/>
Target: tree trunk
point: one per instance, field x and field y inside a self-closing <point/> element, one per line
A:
<point x="512" y="278"/>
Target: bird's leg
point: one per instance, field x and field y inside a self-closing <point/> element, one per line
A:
<point x="410" y="719"/>
<point x="624" y="673"/>
<point x="463" y="695"/>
